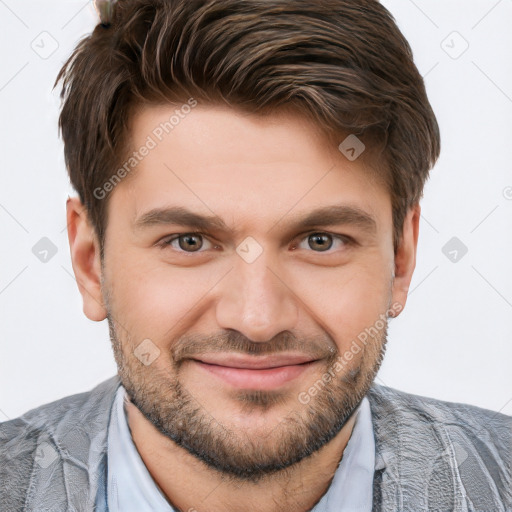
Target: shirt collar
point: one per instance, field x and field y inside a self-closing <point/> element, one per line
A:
<point x="351" y="489"/>
<point x="130" y="486"/>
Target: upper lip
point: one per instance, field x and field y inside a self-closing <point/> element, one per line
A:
<point x="254" y="362"/>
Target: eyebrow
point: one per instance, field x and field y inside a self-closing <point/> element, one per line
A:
<point x="325" y="216"/>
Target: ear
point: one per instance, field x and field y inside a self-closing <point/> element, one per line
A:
<point x="405" y="257"/>
<point x="85" y="257"/>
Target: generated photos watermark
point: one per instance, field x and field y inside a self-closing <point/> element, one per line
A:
<point x="157" y="135"/>
<point x="356" y="346"/>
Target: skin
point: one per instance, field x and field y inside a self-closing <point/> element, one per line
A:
<point x="258" y="174"/>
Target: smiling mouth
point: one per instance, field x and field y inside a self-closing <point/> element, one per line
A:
<point x="263" y="373"/>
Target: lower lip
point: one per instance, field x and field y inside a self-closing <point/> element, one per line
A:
<point x="245" y="378"/>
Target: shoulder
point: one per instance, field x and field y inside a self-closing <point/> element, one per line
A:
<point x="72" y="429"/>
<point x="19" y="436"/>
<point x="50" y="414"/>
<point x="391" y="403"/>
<point x="450" y="451"/>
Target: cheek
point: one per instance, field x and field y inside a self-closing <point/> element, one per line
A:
<point x="351" y="300"/>
<point x="153" y="301"/>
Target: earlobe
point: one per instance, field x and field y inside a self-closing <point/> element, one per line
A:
<point x="405" y="257"/>
<point x="85" y="258"/>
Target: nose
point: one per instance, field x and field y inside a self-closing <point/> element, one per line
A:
<point x="256" y="300"/>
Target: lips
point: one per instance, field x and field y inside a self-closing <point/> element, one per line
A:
<point x="254" y="362"/>
<point x="254" y="372"/>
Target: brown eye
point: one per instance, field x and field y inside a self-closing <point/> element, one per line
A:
<point x="193" y="242"/>
<point x="187" y="242"/>
<point x="320" y="241"/>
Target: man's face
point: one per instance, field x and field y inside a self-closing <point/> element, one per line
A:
<point x="231" y="339"/>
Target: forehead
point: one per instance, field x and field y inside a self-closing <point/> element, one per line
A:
<point x="230" y="132"/>
<point x="221" y="158"/>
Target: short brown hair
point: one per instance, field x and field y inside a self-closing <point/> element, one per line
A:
<point x="343" y="63"/>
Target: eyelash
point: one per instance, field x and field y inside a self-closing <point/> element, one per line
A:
<point x="165" y="243"/>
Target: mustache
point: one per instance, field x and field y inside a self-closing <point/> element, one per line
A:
<point x="315" y="347"/>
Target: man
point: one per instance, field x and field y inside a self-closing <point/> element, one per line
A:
<point x="249" y="177"/>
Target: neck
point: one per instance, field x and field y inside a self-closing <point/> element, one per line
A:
<point x="192" y="486"/>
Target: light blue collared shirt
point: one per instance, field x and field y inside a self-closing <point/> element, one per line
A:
<point x="131" y="487"/>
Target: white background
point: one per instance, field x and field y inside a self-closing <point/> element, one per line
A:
<point x="454" y="339"/>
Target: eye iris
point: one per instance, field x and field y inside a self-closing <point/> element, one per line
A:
<point x="192" y="240"/>
<point x="320" y="241"/>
